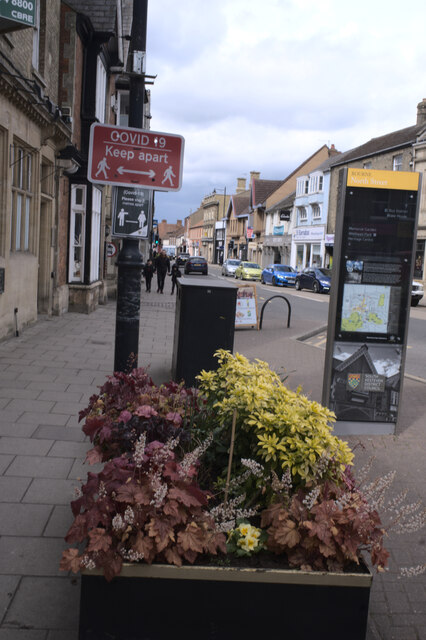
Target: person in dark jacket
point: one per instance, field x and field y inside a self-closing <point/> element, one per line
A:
<point x="162" y="267"/>
<point x="148" y="272"/>
<point x="175" y="273"/>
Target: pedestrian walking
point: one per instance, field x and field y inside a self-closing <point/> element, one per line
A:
<point x="175" y="273"/>
<point x="148" y="272"/>
<point x="162" y="267"/>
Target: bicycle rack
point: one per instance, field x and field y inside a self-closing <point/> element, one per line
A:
<point x="269" y="300"/>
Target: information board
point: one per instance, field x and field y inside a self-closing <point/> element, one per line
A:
<point x="131" y="213"/>
<point x="370" y="298"/>
<point x="246" y="314"/>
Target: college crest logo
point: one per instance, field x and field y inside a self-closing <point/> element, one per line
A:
<point x="354" y="380"/>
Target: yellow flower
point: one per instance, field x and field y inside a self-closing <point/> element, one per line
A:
<point x="248" y="543"/>
<point x="244" y="528"/>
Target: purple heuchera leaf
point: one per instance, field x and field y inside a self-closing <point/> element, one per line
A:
<point x="146" y="411"/>
<point x="125" y="416"/>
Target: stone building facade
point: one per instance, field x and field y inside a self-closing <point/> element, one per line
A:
<point x="32" y="133"/>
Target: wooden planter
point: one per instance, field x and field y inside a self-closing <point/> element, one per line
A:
<point x="164" y="602"/>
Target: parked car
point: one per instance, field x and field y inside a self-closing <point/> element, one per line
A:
<point x="248" y="271"/>
<point x="279" y="274"/>
<point x="416" y="293"/>
<point x="182" y="258"/>
<point x="318" y="280"/>
<point x="229" y="266"/>
<point x="196" y="264"/>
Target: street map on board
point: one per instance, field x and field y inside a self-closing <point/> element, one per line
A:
<point x="365" y="308"/>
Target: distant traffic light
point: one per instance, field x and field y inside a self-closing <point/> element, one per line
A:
<point x="156" y="238"/>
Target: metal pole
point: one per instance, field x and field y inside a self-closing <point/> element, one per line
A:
<point x="129" y="260"/>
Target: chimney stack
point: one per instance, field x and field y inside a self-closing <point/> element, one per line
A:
<point x="241" y="185"/>
<point x="421" y="112"/>
<point x="255" y="175"/>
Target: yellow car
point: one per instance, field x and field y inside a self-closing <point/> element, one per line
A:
<point x="248" y="271"/>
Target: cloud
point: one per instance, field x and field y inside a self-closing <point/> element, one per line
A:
<point x="262" y="85"/>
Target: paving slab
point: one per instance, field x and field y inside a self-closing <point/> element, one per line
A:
<point x="46" y="603"/>
<point x="30" y="556"/>
<point x="50" y="491"/>
<point x="39" y="467"/>
<point x="67" y="433"/>
<point x="25" y="446"/>
<point x="59" y="522"/>
<point x="8" y="586"/>
<point x="23" y="519"/>
<point x="69" y="449"/>
<point x="13" y="489"/>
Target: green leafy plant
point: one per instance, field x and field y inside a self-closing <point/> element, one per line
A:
<point x="277" y="426"/>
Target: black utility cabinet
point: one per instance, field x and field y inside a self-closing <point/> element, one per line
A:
<point x="204" y="322"/>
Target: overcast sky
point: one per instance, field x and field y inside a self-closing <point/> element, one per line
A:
<point x="260" y="86"/>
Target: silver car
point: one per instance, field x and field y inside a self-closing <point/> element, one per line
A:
<point x="229" y="266"/>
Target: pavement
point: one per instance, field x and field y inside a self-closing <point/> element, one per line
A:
<point x="47" y="375"/>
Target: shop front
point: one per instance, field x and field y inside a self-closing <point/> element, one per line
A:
<point x="308" y="247"/>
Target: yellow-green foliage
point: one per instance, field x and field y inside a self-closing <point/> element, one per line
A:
<point x="289" y="431"/>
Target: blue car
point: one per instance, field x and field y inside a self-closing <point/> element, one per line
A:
<point x="279" y="275"/>
<point x="317" y="280"/>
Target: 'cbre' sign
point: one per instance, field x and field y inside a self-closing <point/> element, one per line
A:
<point x="17" y="14"/>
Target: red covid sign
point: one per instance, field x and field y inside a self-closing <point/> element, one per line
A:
<point x="125" y="156"/>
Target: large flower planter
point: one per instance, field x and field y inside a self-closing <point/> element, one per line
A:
<point x="159" y="602"/>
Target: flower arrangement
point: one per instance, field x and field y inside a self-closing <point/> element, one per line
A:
<point x="240" y="467"/>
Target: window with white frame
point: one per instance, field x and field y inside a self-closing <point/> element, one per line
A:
<point x="95" y="234"/>
<point x="397" y="162"/>
<point x="316" y="211"/>
<point x="77" y="232"/>
<point x="101" y="84"/>
<point x="22" y="198"/>
<point x="300" y="187"/>
<point x="320" y="183"/>
<point x="306" y="186"/>
<point x="303" y="214"/>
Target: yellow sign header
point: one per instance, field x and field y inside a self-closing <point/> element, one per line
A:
<point x="375" y="179"/>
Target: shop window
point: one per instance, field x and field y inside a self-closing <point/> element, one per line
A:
<point x="299" y="257"/>
<point x="77" y="233"/>
<point x="22" y="199"/>
<point x="316" y="255"/>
